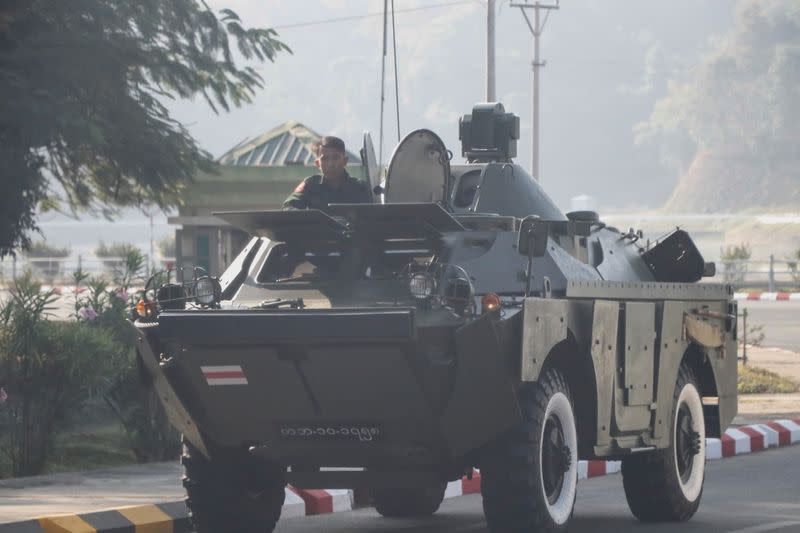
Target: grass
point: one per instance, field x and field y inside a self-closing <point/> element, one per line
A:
<point x="100" y="446"/>
<point x="754" y="380"/>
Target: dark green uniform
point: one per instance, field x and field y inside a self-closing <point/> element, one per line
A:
<point x="313" y="193"/>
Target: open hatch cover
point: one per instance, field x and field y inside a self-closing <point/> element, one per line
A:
<point x="397" y="221"/>
<point x="419" y="169"/>
<point x="387" y="221"/>
<point x="310" y="224"/>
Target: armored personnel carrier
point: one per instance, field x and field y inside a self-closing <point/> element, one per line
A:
<point x="460" y="322"/>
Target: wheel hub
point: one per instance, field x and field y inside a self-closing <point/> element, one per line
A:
<point x="687" y="443"/>
<point x="556" y="459"/>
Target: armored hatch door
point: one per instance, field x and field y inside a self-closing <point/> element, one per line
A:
<point x="369" y="162"/>
<point x="419" y="169"/>
<point x="309" y="224"/>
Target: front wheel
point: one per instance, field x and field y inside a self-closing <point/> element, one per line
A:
<point x="418" y="501"/>
<point x="529" y="477"/>
<point x="239" y="495"/>
<point x="666" y="485"/>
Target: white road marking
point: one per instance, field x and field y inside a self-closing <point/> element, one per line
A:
<point x="771" y="526"/>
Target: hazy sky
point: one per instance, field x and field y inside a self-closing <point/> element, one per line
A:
<point x="607" y="63"/>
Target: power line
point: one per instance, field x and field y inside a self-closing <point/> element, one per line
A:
<point x="367" y="15"/>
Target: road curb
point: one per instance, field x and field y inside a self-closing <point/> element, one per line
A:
<point x="172" y="517"/>
<point x="767" y="296"/>
<point x="169" y="517"/>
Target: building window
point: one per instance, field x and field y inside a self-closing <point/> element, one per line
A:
<point x="292" y="151"/>
<point x="269" y="150"/>
<point x="203" y="252"/>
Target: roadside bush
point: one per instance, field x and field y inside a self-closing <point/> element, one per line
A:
<point x="48" y="371"/>
<point x="167" y="247"/>
<point x="150" y="436"/>
<point x="794" y="269"/>
<point x="47" y="260"/>
<point x="733" y="259"/>
<point x="114" y="255"/>
<point x="753" y="380"/>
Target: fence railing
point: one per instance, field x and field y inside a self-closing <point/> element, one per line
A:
<point x="58" y="270"/>
<point x="770" y="274"/>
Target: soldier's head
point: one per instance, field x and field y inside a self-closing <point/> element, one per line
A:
<point x="331" y="156"/>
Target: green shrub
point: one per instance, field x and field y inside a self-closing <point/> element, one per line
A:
<point x="42" y="249"/>
<point x="117" y="249"/>
<point x="733" y="259"/>
<point x="753" y="380"/>
<point x="150" y="436"/>
<point x="125" y="261"/>
<point x="47" y="260"/>
<point x="794" y="269"/>
<point x="48" y="371"/>
<point x="167" y="247"/>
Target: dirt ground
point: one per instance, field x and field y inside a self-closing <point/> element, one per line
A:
<point x="758" y="407"/>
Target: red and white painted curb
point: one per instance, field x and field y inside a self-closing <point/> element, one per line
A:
<point x="316" y="501"/>
<point x="767" y="296"/>
<point x="735" y="441"/>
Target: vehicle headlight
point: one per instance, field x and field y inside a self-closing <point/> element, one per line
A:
<point x="422" y="286"/>
<point x="206" y="291"/>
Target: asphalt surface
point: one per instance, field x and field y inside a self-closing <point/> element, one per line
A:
<point x="781" y="321"/>
<point x="746" y="494"/>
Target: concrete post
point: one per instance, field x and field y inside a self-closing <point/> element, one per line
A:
<point x="771" y="273"/>
<point x="744" y="336"/>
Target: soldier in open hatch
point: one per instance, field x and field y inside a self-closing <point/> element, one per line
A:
<point x="333" y="186"/>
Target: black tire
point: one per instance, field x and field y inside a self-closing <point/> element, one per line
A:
<point x="232" y="495"/>
<point x="666" y="485"/>
<point x="420" y="501"/>
<point x="526" y="486"/>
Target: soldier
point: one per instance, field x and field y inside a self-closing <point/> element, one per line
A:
<point x="333" y="186"/>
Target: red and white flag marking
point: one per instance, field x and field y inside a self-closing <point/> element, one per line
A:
<point x="224" y="375"/>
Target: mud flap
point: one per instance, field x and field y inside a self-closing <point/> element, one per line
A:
<point x="483" y="402"/>
<point x="173" y="407"/>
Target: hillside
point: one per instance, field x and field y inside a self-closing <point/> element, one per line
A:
<point x="727" y="180"/>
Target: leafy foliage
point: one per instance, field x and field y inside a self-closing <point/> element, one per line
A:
<point x="42" y="249"/>
<point x="728" y="127"/>
<point x="101" y="305"/>
<point x="746" y="91"/>
<point x="754" y="380"/>
<point x="49" y="370"/>
<point x="733" y="259"/>
<point x="46" y="260"/>
<point x="794" y="266"/>
<point x="166" y="246"/>
<point x="81" y="90"/>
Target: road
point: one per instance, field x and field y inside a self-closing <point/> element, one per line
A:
<point x="747" y="494"/>
<point x="781" y="321"/>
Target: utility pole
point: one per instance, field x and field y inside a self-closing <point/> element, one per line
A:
<point x="536" y="29"/>
<point x="383" y="82"/>
<point x="490" y="70"/>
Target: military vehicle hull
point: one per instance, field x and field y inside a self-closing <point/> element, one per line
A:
<point x="397" y="346"/>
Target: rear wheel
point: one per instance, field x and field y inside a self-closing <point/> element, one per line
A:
<point x="666" y="485"/>
<point x="417" y="501"/>
<point x="236" y="495"/>
<point x="529" y="477"/>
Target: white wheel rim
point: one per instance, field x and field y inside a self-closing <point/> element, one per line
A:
<point x="690" y="397"/>
<point x="560" y="407"/>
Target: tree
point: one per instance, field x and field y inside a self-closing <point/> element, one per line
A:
<point x="734" y="262"/>
<point x="740" y="106"/>
<point x="82" y="123"/>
